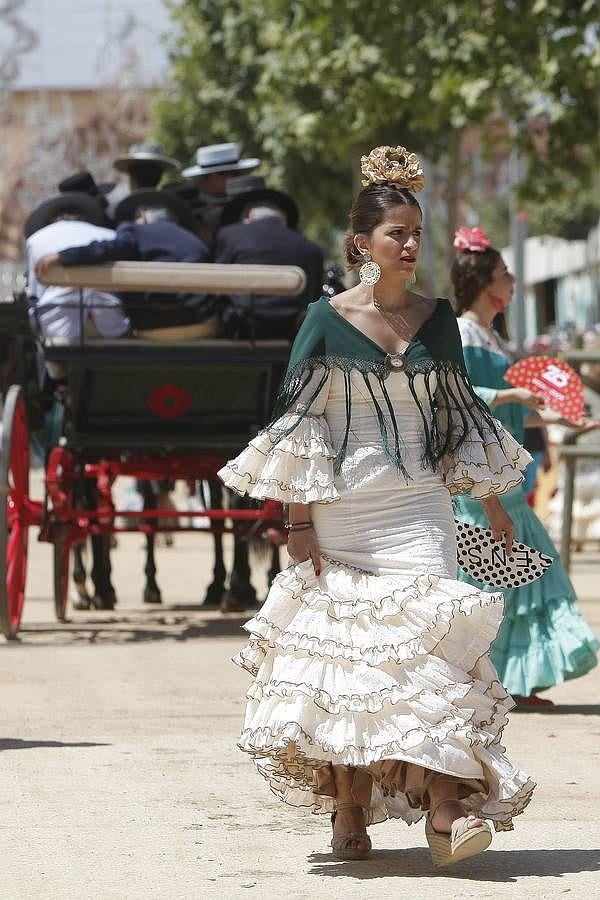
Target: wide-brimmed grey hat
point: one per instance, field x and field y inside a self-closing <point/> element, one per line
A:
<point x="127" y="209"/>
<point x="219" y="158"/>
<point x="87" y="207"/>
<point x="152" y="153"/>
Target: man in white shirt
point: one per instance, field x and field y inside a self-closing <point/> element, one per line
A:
<point x="69" y="220"/>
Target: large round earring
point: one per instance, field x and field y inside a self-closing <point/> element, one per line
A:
<point x="370" y="272"/>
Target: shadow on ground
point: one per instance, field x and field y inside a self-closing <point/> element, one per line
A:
<point x="145" y="626"/>
<point x="563" y="709"/>
<point x="18" y="744"/>
<point x="492" y="867"/>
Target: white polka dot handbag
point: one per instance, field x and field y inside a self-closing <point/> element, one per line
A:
<point x="487" y="561"/>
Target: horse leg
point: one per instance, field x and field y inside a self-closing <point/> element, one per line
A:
<point x="83" y="600"/>
<point x="275" y="568"/>
<point x="241" y="594"/>
<point x="216" y="589"/>
<point x="104" y="592"/>
<point x="152" y="592"/>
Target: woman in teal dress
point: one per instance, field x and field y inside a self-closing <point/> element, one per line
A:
<point x="543" y="639"/>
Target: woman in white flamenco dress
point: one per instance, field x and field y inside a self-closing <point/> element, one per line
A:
<point x="373" y="695"/>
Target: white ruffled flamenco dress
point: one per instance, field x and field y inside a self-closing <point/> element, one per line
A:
<point x="381" y="662"/>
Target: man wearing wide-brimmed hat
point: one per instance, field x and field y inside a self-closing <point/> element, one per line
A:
<point x="59" y="222"/>
<point x="145" y="165"/>
<point x="153" y="226"/>
<point x="215" y="165"/>
<point x="260" y="227"/>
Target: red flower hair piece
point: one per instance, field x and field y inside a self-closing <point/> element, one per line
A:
<point x="471" y="240"/>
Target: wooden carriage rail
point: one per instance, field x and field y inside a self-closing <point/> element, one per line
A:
<point x="177" y="277"/>
<point x="570" y="452"/>
<point x="576" y="357"/>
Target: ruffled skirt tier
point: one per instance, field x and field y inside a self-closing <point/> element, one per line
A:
<point x="390" y="676"/>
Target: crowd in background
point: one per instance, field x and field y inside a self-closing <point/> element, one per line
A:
<point x="212" y="211"/>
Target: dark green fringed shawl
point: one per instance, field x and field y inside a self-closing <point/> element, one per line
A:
<point x="327" y="341"/>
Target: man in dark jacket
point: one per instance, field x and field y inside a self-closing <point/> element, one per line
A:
<point x="162" y="231"/>
<point x="267" y="234"/>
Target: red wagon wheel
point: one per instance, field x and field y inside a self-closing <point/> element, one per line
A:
<point x="14" y="520"/>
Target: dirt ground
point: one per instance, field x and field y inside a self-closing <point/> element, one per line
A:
<point x="121" y="778"/>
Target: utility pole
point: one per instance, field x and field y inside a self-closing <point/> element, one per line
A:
<point x="427" y="267"/>
<point x="518" y="235"/>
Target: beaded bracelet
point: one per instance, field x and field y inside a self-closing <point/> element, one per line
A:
<point x="298" y="526"/>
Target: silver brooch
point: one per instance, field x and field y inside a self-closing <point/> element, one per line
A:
<point x="395" y="362"/>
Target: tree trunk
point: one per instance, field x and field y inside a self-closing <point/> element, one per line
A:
<point x="453" y="188"/>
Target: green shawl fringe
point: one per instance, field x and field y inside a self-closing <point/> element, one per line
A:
<point x="453" y="408"/>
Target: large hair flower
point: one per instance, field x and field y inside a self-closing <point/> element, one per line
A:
<point x="471" y="240"/>
<point x="395" y="165"/>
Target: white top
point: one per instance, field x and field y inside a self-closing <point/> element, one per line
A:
<point x="56" y="309"/>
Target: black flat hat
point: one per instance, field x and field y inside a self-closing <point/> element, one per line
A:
<point x="79" y="182"/>
<point x="84" y="183"/>
<point x="233" y="210"/>
<point x="241" y="184"/>
<point x="87" y="207"/>
<point x="127" y="209"/>
<point x="187" y="190"/>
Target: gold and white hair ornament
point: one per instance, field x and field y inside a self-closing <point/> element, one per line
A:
<point x="394" y="165"/>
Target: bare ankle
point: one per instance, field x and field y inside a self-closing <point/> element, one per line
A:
<point x="344" y="778"/>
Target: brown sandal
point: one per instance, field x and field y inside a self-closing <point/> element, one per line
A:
<point x="341" y="845"/>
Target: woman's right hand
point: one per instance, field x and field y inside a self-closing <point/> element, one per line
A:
<point x="303" y="545"/>
<point x="523" y="396"/>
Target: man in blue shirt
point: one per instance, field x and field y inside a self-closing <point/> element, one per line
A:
<point x="260" y="227"/>
<point x="154" y="226"/>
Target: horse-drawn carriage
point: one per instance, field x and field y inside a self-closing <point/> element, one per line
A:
<point x="137" y="408"/>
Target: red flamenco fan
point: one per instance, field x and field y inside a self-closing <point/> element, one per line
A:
<point x="554" y="380"/>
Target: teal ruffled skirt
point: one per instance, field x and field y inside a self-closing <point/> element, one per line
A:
<point x="543" y="639"/>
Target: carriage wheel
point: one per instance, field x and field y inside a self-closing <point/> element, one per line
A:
<point x="14" y="492"/>
<point x="62" y="560"/>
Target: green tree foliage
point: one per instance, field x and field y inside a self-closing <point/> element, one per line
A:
<point x="311" y="84"/>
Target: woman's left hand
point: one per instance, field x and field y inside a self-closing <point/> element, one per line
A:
<point x="500" y="522"/>
<point x="551" y="417"/>
<point x="585" y="424"/>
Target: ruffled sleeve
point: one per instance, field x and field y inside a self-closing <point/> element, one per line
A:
<point x="292" y="460"/>
<point x="486" y="459"/>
